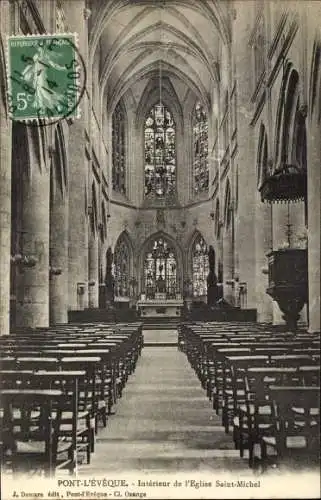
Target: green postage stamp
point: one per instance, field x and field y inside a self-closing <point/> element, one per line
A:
<point x="46" y="77"/>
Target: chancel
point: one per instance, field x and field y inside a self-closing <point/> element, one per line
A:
<point x="160" y="238"/>
<point x="161" y="289"/>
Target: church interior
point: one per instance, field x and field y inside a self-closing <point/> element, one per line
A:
<point x="160" y="253"/>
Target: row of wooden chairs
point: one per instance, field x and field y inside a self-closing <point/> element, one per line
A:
<point x="249" y="372"/>
<point x="56" y="386"/>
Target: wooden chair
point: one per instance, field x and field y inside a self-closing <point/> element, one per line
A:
<point x="296" y="434"/>
<point x="75" y="419"/>
<point x="233" y="384"/>
<point x="88" y="401"/>
<point x="215" y="372"/>
<point x="70" y="383"/>
<point x="104" y="381"/>
<point x="37" y="444"/>
<point x="253" y="418"/>
<point x="309" y="375"/>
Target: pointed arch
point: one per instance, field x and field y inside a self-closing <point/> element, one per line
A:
<point x="289" y="102"/>
<point x="174" y="281"/>
<point x="167" y="237"/>
<point x="196" y="234"/>
<point x="123" y="265"/>
<point x="151" y="95"/>
<point x="198" y="264"/>
<point x="151" y="70"/>
<point x="160" y="152"/>
<point x="124" y="236"/>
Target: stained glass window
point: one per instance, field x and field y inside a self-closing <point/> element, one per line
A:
<point x="200" y="266"/>
<point x="200" y="143"/>
<point x="119" y="150"/>
<point x="160" y="270"/>
<point x="160" y="152"/>
<point x="121" y="269"/>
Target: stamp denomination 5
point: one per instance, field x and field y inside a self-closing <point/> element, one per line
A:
<point x="46" y="76"/>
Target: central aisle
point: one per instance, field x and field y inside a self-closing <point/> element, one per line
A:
<point x="163" y="423"/>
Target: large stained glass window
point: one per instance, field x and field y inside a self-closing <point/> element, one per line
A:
<point x="119" y="150"/>
<point x="160" y="271"/>
<point x="200" y="143"/>
<point x="160" y="152"/>
<point x="200" y="266"/>
<point x="121" y="269"/>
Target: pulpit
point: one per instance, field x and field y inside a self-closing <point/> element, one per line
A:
<point x="288" y="282"/>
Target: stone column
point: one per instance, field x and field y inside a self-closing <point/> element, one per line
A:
<point x="228" y="265"/>
<point x="33" y="309"/>
<point x="263" y="244"/>
<point x="59" y="260"/>
<point x="5" y="187"/>
<point x="93" y="271"/>
<point x="78" y="175"/>
<point x="247" y="151"/>
<point x="219" y="261"/>
<point x="314" y="189"/>
<point x="78" y="219"/>
<point x="101" y="273"/>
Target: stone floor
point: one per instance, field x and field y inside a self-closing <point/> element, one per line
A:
<point x="163" y="423"/>
<point x="160" y="337"/>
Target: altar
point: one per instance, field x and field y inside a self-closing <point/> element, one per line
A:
<point x="160" y="306"/>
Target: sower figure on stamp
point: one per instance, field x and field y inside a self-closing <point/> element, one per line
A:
<point x="47" y="78"/>
<point x="36" y="74"/>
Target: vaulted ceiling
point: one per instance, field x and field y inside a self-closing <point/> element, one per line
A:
<point x="141" y="40"/>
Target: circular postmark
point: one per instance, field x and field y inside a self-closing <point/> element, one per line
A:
<point x="46" y="78"/>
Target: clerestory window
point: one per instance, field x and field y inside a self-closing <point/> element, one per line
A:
<point x="200" y="153"/>
<point x="160" y="152"/>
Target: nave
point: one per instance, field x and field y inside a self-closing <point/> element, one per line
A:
<point x="92" y="398"/>
<point x="163" y="423"/>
